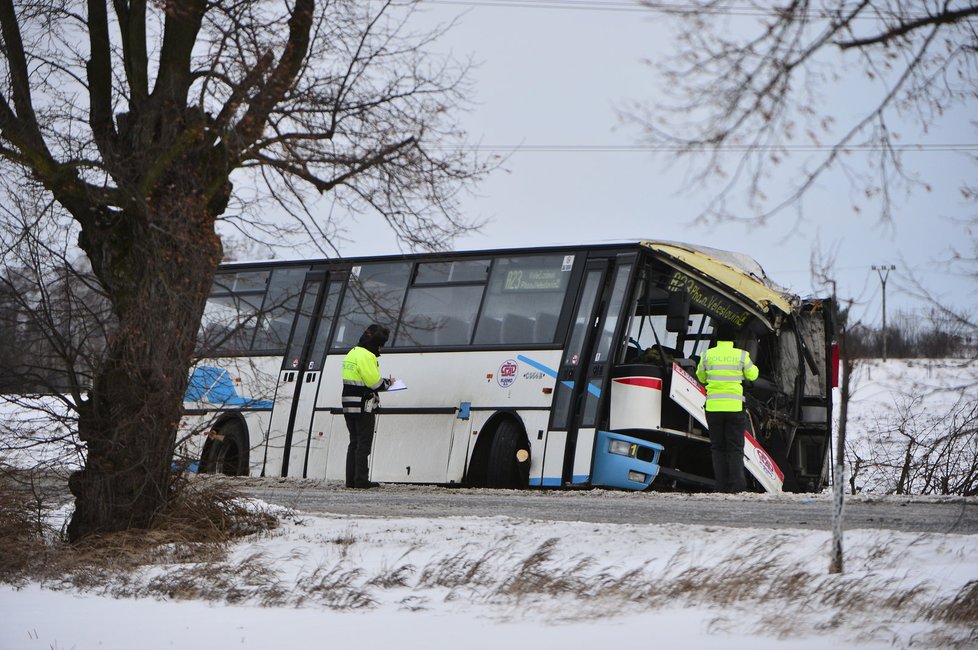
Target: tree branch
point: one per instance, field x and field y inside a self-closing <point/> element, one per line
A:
<point x="945" y="17"/>
<point x="360" y="165"/>
<point x="27" y="127"/>
<point x="99" y="69"/>
<point x="132" y="24"/>
<point x="253" y="122"/>
<point x="183" y="20"/>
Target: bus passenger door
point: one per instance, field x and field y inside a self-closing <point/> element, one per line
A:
<point x="587" y="360"/>
<point x="299" y="378"/>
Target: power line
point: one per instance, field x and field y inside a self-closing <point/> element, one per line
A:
<point x="545" y="4"/>
<point x="585" y="5"/>
<point x="626" y="6"/>
<point x="734" y="148"/>
<point x="834" y="269"/>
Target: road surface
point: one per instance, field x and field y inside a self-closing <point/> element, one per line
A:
<point x="912" y="514"/>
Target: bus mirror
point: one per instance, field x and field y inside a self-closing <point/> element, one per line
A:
<point x="677" y="317"/>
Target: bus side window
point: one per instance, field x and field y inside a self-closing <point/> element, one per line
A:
<point x="278" y="310"/>
<point x="520" y="287"/>
<point x="228" y="324"/>
<point x="544" y="328"/>
<point x="489" y="331"/>
<point x="442" y="303"/>
<point x="239" y="306"/>
<point x="374" y="295"/>
<point x="517" y="329"/>
<point x="438" y="316"/>
<point x="453" y="331"/>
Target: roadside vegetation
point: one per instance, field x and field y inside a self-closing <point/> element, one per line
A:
<point x="222" y="550"/>
<point x="199" y="524"/>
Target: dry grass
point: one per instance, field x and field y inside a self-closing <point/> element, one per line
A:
<point x="460" y="570"/>
<point x="198" y="525"/>
<point x="337" y="587"/>
<point x="962" y="610"/>
<point x="388" y="578"/>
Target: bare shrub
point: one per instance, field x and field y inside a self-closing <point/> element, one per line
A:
<point x="198" y="525"/>
<point x="25" y="538"/>
<point x="210" y="509"/>
<point x="913" y="451"/>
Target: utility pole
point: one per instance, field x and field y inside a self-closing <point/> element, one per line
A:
<point x="883" y="270"/>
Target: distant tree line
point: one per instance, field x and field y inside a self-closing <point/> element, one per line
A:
<point x="914" y="335"/>
<point x="53" y="330"/>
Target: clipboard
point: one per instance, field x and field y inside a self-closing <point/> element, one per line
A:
<point x="397" y="385"/>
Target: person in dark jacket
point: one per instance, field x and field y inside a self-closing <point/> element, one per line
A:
<point x="361" y="383"/>
<point x="723" y="370"/>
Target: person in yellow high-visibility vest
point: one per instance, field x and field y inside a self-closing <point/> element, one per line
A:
<point x="361" y="383"/>
<point x="723" y="368"/>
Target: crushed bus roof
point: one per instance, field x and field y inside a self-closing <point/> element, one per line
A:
<point x="738" y="272"/>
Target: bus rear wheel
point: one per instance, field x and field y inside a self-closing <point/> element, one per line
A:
<point x="509" y="458"/>
<point x="227" y="451"/>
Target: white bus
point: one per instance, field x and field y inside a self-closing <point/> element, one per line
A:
<point x="535" y="367"/>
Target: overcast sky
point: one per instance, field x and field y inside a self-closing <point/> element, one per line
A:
<point x="555" y="77"/>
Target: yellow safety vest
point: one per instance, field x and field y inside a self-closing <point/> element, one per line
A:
<point x="723" y="369"/>
<point x="361" y="380"/>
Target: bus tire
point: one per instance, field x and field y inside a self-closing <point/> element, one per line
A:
<point x="505" y="469"/>
<point x="227" y="452"/>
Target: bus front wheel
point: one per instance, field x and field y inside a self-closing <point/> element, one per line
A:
<point x="509" y="458"/>
<point x="226" y="452"/>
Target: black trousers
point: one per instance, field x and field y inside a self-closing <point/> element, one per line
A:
<point x="727" y="447"/>
<point x="361" y="428"/>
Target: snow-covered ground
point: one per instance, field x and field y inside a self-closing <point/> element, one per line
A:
<point x="498" y="582"/>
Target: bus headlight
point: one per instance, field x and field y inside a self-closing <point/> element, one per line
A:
<point x="638" y="477"/>
<point x="621" y="448"/>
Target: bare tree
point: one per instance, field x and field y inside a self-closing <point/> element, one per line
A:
<point x="143" y="122"/>
<point x="54" y="321"/>
<point x="915" y="451"/>
<point x="747" y="92"/>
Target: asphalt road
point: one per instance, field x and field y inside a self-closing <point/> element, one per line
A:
<point x="912" y="514"/>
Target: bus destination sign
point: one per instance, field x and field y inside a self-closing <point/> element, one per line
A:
<point x="533" y="280"/>
<point x="710" y="301"/>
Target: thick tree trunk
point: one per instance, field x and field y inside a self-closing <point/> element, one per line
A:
<point x="158" y="279"/>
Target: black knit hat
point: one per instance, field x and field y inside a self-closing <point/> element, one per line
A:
<point x="726" y="331"/>
<point x="374" y="337"/>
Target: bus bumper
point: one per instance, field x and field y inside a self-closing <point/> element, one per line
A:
<point x="624" y="462"/>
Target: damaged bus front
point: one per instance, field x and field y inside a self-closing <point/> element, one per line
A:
<point x="680" y="295"/>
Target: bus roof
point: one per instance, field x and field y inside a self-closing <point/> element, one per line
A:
<point x="736" y="271"/>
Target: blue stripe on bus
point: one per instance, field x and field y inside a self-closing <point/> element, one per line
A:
<point x="548" y="481"/>
<point x="539" y="366"/>
<point x="591" y="388"/>
<point x="545" y="482"/>
<point x="215" y="386"/>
